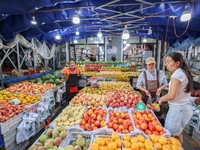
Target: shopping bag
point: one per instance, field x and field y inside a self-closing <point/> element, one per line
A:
<point x="149" y="101"/>
<point x="73" y="89"/>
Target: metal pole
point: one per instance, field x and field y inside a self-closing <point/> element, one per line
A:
<point x="2" y="83"/>
<point x="18" y="62"/>
<point x="28" y="63"/>
<point x="105" y="45"/>
<point x="159" y="54"/>
<point x="122" y="51"/>
<point x="35" y="61"/>
<point x="67" y="52"/>
<point x="164" y="57"/>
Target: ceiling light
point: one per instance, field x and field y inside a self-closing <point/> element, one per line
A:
<point x="149" y="31"/>
<point x="77" y="32"/>
<point x="124" y="42"/>
<point x="125" y="34"/>
<point x="145" y="40"/>
<point x="57" y="37"/>
<point x="99" y="35"/>
<point x="91" y="38"/>
<point x="127" y="44"/>
<point x="76" y="19"/>
<point x="75" y="41"/>
<point x="33" y="21"/>
<point x="186" y="15"/>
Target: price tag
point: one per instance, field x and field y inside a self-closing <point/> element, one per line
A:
<point x="140" y="106"/>
<point x="15" y="101"/>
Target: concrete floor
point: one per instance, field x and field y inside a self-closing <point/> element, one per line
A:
<point x="189" y="143"/>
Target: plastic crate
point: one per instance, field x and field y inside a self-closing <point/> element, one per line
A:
<point x="4" y="127"/>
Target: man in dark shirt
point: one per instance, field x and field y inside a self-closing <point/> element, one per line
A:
<point x="92" y="58"/>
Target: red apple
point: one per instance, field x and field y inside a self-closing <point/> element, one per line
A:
<point x="97" y="123"/>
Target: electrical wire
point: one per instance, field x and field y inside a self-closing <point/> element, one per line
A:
<point x="188" y="23"/>
<point x="167" y="29"/>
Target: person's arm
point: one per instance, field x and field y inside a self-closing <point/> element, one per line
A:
<point x="140" y="84"/>
<point x="163" y="81"/>
<point x="174" y="87"/>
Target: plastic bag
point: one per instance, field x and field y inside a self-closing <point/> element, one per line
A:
<point x="26" y="128"/>
<point x="149" y="101"/>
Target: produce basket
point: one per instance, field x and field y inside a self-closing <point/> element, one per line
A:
<point x="71" y="137"/>
<point x="122" y="123"/>
<point x="154" y="128"/>
<point x="99" y="124"/>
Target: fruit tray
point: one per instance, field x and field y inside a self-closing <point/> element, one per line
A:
<point x="71" y="137"/>
<point x="154" y="128"/>
<point x="105" y="136"/>
<point x="4" y="127"/>
<point x="99" y="129"/>
<point x="121" y="123"/>
<point x="45" y="133"/>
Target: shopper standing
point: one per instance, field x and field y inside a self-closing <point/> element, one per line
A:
<point x="151" y="82"/>
<point x="72" y="74"/>
<point x="180" y="85"/>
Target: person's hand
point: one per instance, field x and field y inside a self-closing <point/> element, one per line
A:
<point x="158" y="91"/>
<point x="147" y="93"/>
<point x="160" y="101"/>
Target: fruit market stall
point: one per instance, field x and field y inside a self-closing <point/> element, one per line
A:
<point x="109" y="116"/>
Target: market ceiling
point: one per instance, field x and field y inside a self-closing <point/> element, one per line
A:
<point x="55" y="17"/>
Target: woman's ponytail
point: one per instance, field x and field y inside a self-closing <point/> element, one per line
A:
<point x="189" y="86"/>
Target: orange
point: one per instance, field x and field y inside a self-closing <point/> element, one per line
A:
<point x="126" y="137"/>
<point x="115" y="136"/>
<point x="127" y="144"/>
<point x="94" y="146"/>
<point x="118" y="142"/>
<point x="112" y="145"/>
<point x="135" y="146"/>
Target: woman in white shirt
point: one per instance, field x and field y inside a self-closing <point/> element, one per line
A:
<point x="180" y="85"/>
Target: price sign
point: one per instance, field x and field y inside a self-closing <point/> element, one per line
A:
<point x="140" y="106"/>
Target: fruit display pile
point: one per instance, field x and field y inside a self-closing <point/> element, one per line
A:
<point x="9" y="110"/>
<point x="147" y="123"/>
<point x="93" y="100"/>
<point x="79" y="142"/>
<point x="69" y="116"/>
<point x="131" y="74"/>
<point x="93" y="118"/>
<point x="92" y="67"/>
<point x="89" y="74"/>
<point x="24" y="99"/>
<point x="103" y="142"/>
<point x="118" y="99"/>
<point x="30" y="88"/>
<point x="195" y="93"/>
<point x="120" y="122"/>
<point x="51" y="139"/>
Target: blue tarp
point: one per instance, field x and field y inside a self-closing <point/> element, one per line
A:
<point x="55" y="16"/>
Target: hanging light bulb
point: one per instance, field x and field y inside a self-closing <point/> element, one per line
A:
<point x="125" y="34"/>
<point x="91" y="38"/>
<point x="149" y="31"/>
<point x="75" y="41"/>
<point x="144" y="40"/>
<point x="57" y="37"/>
<point x="124" y="42"/>
<point x="186" y="15"/>
<point x="99" y="35"/>
<point x="76" y="19"/>
<point x="77" y="32"/>
<point x="33" y="21"/>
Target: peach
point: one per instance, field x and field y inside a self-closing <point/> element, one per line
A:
<point x="144" y="126"/>
<point x="112" y="145"/>
<point x="134" y="140"/>
<point x="126" y="137"/>
<point x="118" y="142"/>
<point x="135" y="146"/>
<point x="127" y="144"/>
<point x="158" y="128"/>
<point x="114" y="136"/>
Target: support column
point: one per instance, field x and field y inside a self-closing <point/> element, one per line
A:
<point x="158" y="54"/>
<point x="122" y="51"/>
<point x="105" y="46"/>
<point x="164" y="57"/>
<point x="67" y="52"/>
<point x="18" y="62"/>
